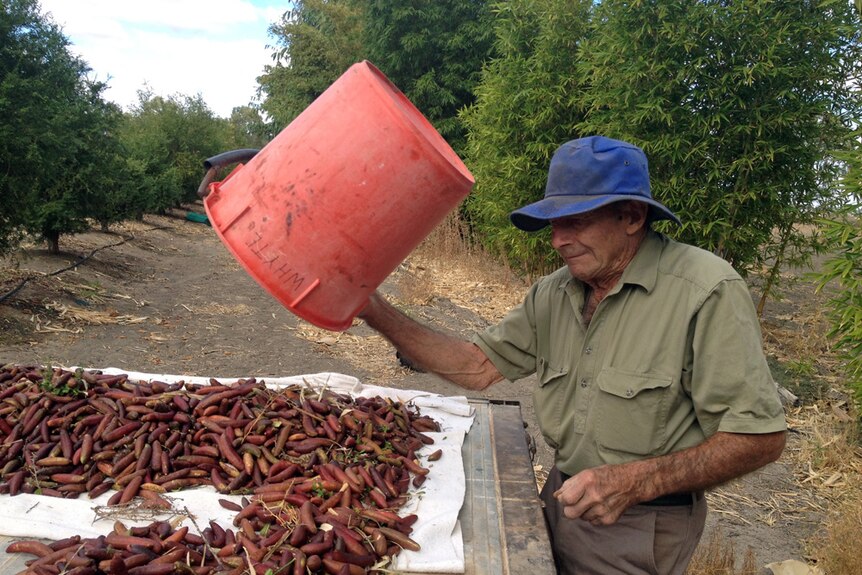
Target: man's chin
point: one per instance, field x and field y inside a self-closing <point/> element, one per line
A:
<point x="578" y="273"/>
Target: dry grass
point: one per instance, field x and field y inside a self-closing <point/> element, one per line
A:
<point x="837" y="549"/>
<point x="827" y="453"/>
<point x="216" y="309"/>
<point x="801" y="335"/>
<point x="830" y="456"/>
<point x="828" y="465"/>
<point x="76" y="314"/>
<point x="716" y="556"/>
<point x="446" y="264"/>
<point x="373" y="352"/>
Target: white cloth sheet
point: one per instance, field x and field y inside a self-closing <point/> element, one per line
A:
<point x="437" y="503"/>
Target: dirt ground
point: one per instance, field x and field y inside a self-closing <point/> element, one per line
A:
<point x="171" y="299"/>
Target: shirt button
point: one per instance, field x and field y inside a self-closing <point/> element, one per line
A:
<point x="588" y="351"/>
<point x="629" y="393"/>
<point x="584" y="382"/>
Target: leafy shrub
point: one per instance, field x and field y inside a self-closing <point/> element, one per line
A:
<point x="845" y="268"/>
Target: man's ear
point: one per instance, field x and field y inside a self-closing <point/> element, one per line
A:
<point x="634" y="215"/>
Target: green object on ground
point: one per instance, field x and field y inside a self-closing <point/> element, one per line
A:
<point x="199" y="218"/>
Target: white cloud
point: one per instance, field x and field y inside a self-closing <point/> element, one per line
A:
<point x="213" y="47"/>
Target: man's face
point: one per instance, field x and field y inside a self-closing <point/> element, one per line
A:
<point x="597" y="245"/>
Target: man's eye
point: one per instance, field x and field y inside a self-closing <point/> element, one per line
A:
<point x="569" y="223"/>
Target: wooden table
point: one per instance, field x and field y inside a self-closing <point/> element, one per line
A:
<point x="503" y="526"/>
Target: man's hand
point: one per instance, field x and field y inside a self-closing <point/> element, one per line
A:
<point x="599" y="495"/>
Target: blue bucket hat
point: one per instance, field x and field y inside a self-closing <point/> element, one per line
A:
<point x="589" y="173"/>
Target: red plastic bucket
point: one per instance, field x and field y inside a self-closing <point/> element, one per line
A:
<point x="331" y="206"/>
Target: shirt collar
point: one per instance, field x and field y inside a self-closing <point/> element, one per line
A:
<point x="643" y="269"/>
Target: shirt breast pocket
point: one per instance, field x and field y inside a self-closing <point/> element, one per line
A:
<point x="549" y="400"/>
<point x="631" y="413"/>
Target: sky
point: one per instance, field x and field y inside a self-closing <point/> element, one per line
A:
<point x="215" y="48"/>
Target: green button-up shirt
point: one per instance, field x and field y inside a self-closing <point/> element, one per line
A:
<point x="672" y="355"/>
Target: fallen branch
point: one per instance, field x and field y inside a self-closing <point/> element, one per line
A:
<point x="75" y="264"/>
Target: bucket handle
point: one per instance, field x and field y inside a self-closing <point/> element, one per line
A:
<point x="215" y="163"/>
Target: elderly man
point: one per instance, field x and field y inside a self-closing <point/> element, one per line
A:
<point x="652" y="383"/>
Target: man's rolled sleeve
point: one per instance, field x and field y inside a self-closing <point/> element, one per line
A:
<point x="731" y="385"/>
<point x="511" y="344"/>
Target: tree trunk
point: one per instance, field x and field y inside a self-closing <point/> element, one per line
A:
<point x="53" y="239"/>
<point x="772" y="278"/>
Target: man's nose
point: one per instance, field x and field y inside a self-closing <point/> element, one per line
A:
<point x="559" y="237"/>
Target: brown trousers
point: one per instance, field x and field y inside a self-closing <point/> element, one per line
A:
<point x="646" y="540"/>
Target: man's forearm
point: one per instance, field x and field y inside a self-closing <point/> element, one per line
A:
<point x="722" y="457"/>
<point x="459" y="361"/>
<point x="601" y="494"/>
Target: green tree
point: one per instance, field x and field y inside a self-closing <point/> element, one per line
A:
<point x="315" y="43"/>
<point x="737" y="105"/>
<point x="433" y="50"/>
<point x="91" y="181"/>
<point x="106" y="177"/>
<point x="64" y="194"/>
<point x="166" y="139"/>
<point x="843" y="269"/>
<point x="54" y="131"/>
<point x="527" y="105"/>
<point x="37" y="75"/>
<point x="246" y="128"/>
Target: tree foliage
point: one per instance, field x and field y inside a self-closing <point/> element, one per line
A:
<point x="247" y="128"/>
<point x="68" y="157"/>
<point x="527" y="105"/>
<point x="433" y="50"/>
<point x="843" y="268"/>
<point x="738" y="105"/>
<point x="90" y="180"/>
<point x="54" y="131"/>
<point x="167" y="139"/>
<point x="315" y="43"/>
